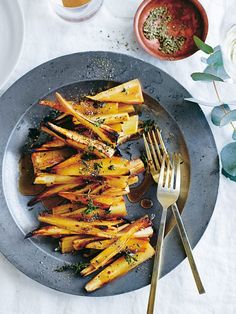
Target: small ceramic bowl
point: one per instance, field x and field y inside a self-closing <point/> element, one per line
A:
<point x="152" y="46"/>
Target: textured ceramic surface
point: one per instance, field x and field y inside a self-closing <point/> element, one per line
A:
<point x="184" y="128"/>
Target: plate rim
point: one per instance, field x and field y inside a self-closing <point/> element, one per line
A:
<point x="104" y="53"/>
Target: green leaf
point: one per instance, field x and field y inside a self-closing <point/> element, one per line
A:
<point x="202" y="46"/>
<point x="234" y="135"/>
<point x="233" y="178"/>
<point x="228" y="159"/>
<point x="206" y="77"/>
<point x="223" y="115"/>
<point x="215" y="64"/>
<point x="216" y="57"/>
<point x="217" y="70"/>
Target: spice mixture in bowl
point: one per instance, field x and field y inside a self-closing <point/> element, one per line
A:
<point x="165" y="28"/>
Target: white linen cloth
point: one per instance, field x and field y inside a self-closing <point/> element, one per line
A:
<point x="46" y="37"/>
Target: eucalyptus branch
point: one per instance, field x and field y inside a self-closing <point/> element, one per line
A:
<point x="221" y="113"/>
<point x="222" y="107"/>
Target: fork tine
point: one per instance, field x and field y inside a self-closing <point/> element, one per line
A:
<point x="157" y="147"/>
<point x="153" y="151"/>
<point x="149" y="155"/>
<point x="167" y="179"/>
<point x="163" y="148"/>
<point x="178" y="175"/>
<point x="162" y="172"/>
<point x="172" y="172"/>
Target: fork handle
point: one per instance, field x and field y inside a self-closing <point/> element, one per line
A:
<point x="157" y="263"/>
<point x="188" y="249"/>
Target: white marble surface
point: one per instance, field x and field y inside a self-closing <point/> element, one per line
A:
<point x="46" y="37"/>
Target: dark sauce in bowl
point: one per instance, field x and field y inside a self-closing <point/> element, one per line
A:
<point x="165" y="28"/>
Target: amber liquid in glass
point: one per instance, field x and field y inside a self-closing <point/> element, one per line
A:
<point x="74" y="3"/>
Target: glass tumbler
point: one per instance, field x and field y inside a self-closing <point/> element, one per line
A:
<point x="76" y="10"/>
<point x="228" y="39"/>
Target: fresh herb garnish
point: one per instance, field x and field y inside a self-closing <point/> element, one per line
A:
<point x="88" y="156"/>
<point x="84" y="162"/>
<point x="98" y="104"/>
<point x="97" y="166"/>
<point x="144" y="159"/>
<point x="75" y="268"/>
<point x="91" y="148"/>
<point x="90" y="207"/>
<point x="111" y="167"/>
<point x="148" y="125"/>
<point x="130" y="257"/>
<point x="99" y="122"/>
<point x="107" y="211"/>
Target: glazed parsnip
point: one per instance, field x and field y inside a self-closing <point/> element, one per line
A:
<point x="85" y="107"/>
<point x="51" y="191"/>
<point x="133" y="244"/>
<point x="86" y="180"/>
<point x="115" y="166"/>
<point x="118" y="268"/>
<point x="66" y="243"/>
<point x="51" y="145"/>
<point x="45" y="159"/>
<point x="83" y="141"/>
<point x="114" y="211"/>
<point x="120" y="243"/>
<point x="50" y="231"/>
<point x="128" y="93"/>
<point x="79" y="227"/>
<point x="108" y="135"/>
<point x="98" y="200"/>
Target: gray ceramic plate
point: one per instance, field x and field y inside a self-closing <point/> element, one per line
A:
<point x="184" y="129"/>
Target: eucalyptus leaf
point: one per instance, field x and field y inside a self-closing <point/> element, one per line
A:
<point x="215" y="58"/>
<point x="228" y="160"/>
<point x="233" y="178"/>
<point x="217" y="70"/>
<point x="234" y="135"/>
<point x="205" y="77"/>
<point x="202" y="46"/>
<point x="215" y="64"/>
<point x="223" y="115"/>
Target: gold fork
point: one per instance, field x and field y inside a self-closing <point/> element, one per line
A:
<point x="155" y="154"/>
<point x="167" y="194"/>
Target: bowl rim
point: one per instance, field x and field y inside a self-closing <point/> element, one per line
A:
<point x="138" y="14"/>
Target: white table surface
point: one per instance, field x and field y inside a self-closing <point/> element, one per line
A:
<point x="47" y="37"/>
